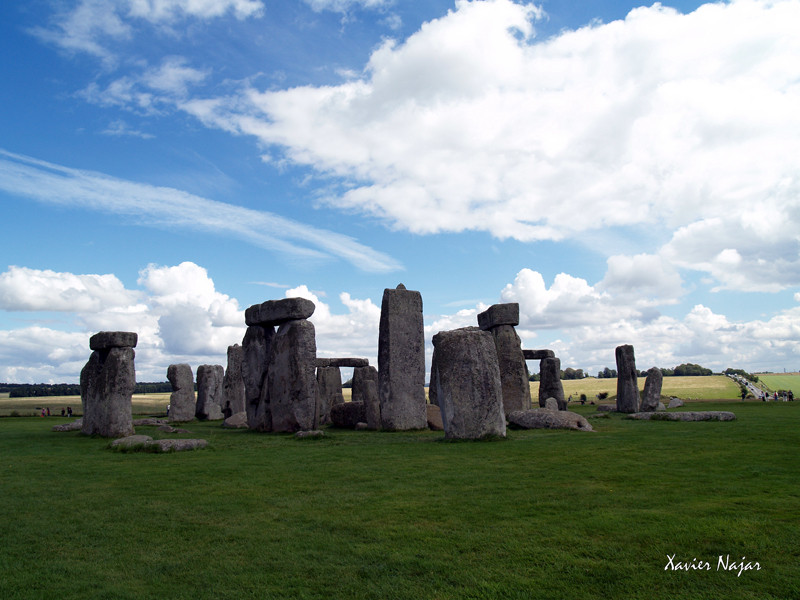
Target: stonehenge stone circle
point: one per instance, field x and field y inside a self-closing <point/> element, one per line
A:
<point x="469" y="390"/>
<point x="627" y="384"/>
<point x="291" y="384"/>
<point x="233" y="390"/>
<point x="401" y="360"/>
<point x="209" y="392"/>
<point x="182" y="402"/>
<point x="107" y="383"/>
<point x="550" y="382"/>
<point x="329" y="391"/>
<point x="652" y="390"/>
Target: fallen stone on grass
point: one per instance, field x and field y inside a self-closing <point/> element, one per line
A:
<point x="171" y="429"/>
<point x="311" y="434"/>
<point x="74" y="426"/>
<point x="237" y="421"/>
<point x="707" y="415"/>
<point x="348" y="415"/>
<point x="147" y="444"/>
<point x="149" y="421"/>
<point x="606" y="408"/>
<point x="675" y="403"/>
<point x="547" y="419"/>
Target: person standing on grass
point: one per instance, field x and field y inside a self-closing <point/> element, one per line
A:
<point x="790" y="396"/>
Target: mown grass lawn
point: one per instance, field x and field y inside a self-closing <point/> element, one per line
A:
<point x="776" y="382"/>
<point x="544" y="514"/>
<point x="712" y="387"/>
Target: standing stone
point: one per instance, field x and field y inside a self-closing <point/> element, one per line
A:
<point x="432" y="386"/>
<point x="107" y="384"/>
<point x="372" y="404"/>
<point x="514" y="374"/>
<point x="652" y="390"/>
<point x="255" y="350"/>
<point x="360" y="376"/>
<point x="469" y="390"/>
<point x="401" y="360"/>
<point x="329" y="392"/>
<point x="233" y="391"/>
<point x="550" y="382"/>
<point x="182" y="401"/>
<point x="209" y="392"/>
<point x="291" y="384"/>
<point x="627" y="384"/>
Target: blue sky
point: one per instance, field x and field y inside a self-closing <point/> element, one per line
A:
<point x="626" y="172"/>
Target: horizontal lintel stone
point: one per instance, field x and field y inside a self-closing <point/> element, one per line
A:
<point x="499" y="314"/>
<point x="276" y="312"/>
<point x="342" y="362"/>
<point x="113" y="339"/>
<point x="538" y="354"/>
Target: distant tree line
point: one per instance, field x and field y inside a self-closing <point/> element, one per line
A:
<point x="35" y="390"/>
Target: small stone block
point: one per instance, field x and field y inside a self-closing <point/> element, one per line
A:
<point x="499" y="314"/>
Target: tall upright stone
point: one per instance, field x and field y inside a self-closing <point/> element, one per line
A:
<point x="182" y="401"/>
<point x="209" y="392"/>
<point x="401" y="360"/>
<point x="468" y="385"/>
<point x="255" y="350"/>
<point x="233" y="391"/>
<point x="360" y="376"/>
<point x="372" y="404"/>
<point x="433" y="384"/>
<point x="627" y="384"/>
<point x="329" y="392"/>
<point x="107" y="383"/>
<point x="550" y="385"/>
<point x="652" y="390"/>
<point x="291" y="377"/>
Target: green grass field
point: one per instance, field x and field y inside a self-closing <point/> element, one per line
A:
<point x="713" y="387"/>
<point x="544" y="514"/>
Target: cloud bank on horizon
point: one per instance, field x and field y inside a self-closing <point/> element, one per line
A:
<point x="665" y="142"/>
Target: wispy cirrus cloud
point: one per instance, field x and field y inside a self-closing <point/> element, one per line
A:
<point x="164" y="206"/>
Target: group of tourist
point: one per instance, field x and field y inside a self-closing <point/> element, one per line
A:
<point x="64" y="413"/>
<point x="788" y="397"/>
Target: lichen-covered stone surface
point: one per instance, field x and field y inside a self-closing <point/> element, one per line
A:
<point x="401" y="360"/>
<point x="469" y="390"/>
<point x="547" y="419"/>
<point x="651" y="397"/>
<point x="627" y="384"/>
<point x="291" y="377"/>
<point x="107" y="384"/>
<point x="182" y="401"/>
<point x="708" y="415"/>
<point x="209" y="392"/>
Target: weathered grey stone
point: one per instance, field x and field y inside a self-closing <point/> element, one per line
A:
<point x="401" y="360"/>
<point x="627" y="384"/>
<point x="548" y="419"/>
<point x="499" y="314"/>
<point x="255" y="349"/>
<point x="347" y="415"/>
<point x="361" y="427"/>
<point x="661" y="407"/>
<point x="434" y="384"/>
<point x="178" y="445"/>
<point x="342" y="362"/>
<point x="372" y="404"/>
<point x="236" y="421"/>
<point x="149" y="421"/>
<point x="469" y="390"/>
<point x="131" y="440"/>
<point x="514" y="376"/>
<point x="313" y="434"/>
<point x="291" y="377"/>
<point x="233" y="392"/>
<point x="675" y="403"/>
<point x="606" y="408"/>
<point x="708" y="415"/>
<point x="360" y="376"/>
<point x="277" y="312"/>
<point x="538" y="354"/>
<point x="551" y="404"/>
<point x="74" y="426"/>
<point x="105" y="340"/>
<point x="434" y="415"/>
<point x="550" y="382"/>
<point x="182" y="402"/>
<point x="171" y="429"/>
<point x="651" y="397"/>
<point x="107" y="384"/>
<point x="329" y="391"/>
<point x="209" y="392"/>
